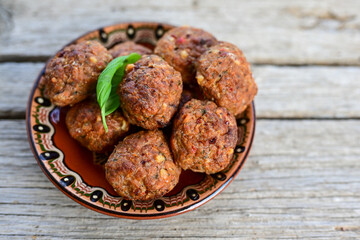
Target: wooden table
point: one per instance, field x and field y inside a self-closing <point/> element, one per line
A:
<point x="302" y="179"/>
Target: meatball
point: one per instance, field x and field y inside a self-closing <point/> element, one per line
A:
<point x="204" y="137"/>
<point x="85" y="125"/>
<point x="72" y="74"/>
<point x="141" y="167"/>
<point x="126" y="48"/>
<point x="182" y="46"/>
<point x="225" y="77"/>
<point x="186" y="96"/>
<point x="150" y="92"/>
<point x="189" y="92"/>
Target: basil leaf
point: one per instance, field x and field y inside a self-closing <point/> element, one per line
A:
<point x="118" y="76"/>
<point x="103" y="87"/>
<point x="108" y="82"/>
<point x="112" y="104"/>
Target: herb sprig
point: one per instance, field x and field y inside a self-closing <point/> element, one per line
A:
<point x="108" y="82"/>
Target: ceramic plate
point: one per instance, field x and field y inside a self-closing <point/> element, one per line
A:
<point x="79" y="173"/>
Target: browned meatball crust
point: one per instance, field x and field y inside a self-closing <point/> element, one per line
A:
<point x="204" y="137"/>
<point x="141" y="167"/>
<point x="126" y="48"/>
<point x="84" y="123"/>
<point x="225" y="77"/>
<point x="182" y="46"/>
<point x="72" y="74"/>
<point x="150" y="92"/>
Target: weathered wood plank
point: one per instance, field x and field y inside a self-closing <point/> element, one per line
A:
<point x="298" y="92"/>
<point x="270" y="32"/>
<point x="290" y="92"/>
<point x="16" y="81"/>
<point x="300" y="181"/>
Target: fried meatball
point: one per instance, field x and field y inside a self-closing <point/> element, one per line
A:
<point x="141" y="167"/>
<point x="204" y="137"/>
<point x="72" y="74"/>
<point x="190" y="92"/>
<point x="225" y="77"/>
<point x="186" y="96"/>
<point x="150" y="92"/>
<point x="85" y="125"/>
<point x="126" y="48"/>
<point x="182" y="46"/>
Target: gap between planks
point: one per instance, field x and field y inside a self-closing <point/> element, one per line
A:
<point x="44" y="58"/>
<point x="22" y="116"/>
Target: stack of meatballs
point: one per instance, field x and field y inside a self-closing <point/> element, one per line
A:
<point x="146" y="165"/>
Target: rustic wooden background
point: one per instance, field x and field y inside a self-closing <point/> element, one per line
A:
<point x="302" y="179"/>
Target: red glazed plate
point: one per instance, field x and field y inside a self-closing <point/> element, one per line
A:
<point x="77" y="172"/>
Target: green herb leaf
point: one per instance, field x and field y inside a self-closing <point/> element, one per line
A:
<point x="112" y="104"/>
<point x="108" y="82"/>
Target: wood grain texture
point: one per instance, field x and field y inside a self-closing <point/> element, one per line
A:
<point x="16" y="81"/>
<point x="284" y="92"/>
<point x="307" y="92"/>
<point x="269" y="32"/>
<point x="300" y="181"/>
